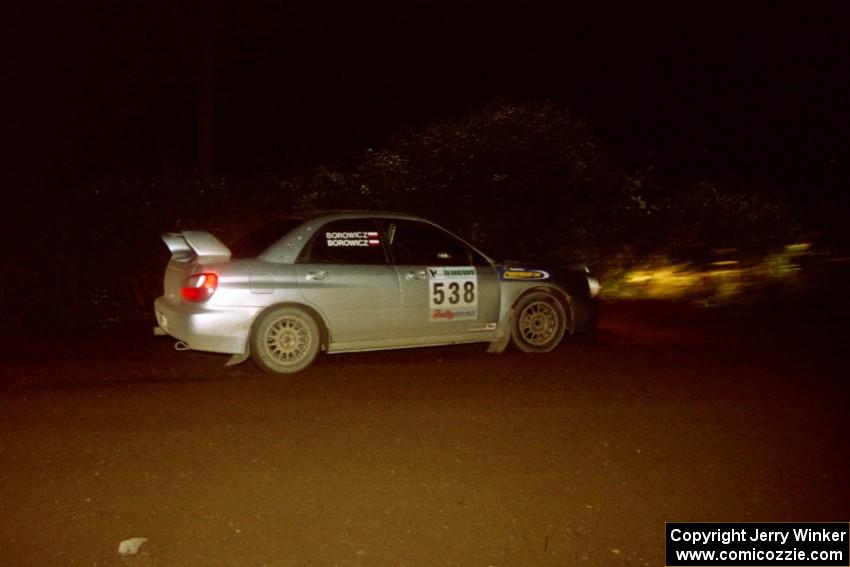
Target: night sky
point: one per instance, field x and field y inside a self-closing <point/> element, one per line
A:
<point x="755" y="99"/>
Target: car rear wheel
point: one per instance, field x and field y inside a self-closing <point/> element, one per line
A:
<point x="539" y="323"/>
<point x="285" y="340"/>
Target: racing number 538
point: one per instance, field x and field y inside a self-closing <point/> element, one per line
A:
<point x="452" y="291"/>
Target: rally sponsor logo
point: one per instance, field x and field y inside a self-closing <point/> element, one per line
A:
<point x="524" y="274"/>
<point x="360" y="239"/>
<point x="452" y="314"/>
<point x="451" y="272"/>
<point x="482" y="327"/>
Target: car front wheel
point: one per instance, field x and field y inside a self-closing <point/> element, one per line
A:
<point x="539" y="323"/>
<point x="285" y="340"/>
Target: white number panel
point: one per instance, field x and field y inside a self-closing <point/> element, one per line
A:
<point x="453" y="293"/>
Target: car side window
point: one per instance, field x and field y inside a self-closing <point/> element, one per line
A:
<point x="420" y="244"/>
<point x="348" y="241"/>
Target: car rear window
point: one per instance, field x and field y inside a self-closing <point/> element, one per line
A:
<point x="255" y="243"/>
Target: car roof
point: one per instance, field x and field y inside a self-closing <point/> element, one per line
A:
<point x="331" y="214"/>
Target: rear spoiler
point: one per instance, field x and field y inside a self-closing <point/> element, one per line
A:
<point x="192" y="244"/>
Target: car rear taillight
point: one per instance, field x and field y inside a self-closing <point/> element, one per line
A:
<point x="199" y="287"/>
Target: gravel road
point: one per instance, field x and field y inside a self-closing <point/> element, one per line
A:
<point x="444" y="456"/>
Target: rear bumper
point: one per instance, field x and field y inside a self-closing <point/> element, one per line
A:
<point x="212" y="329"/>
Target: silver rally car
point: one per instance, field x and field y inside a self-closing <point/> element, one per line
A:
<point x="351" y="281"/>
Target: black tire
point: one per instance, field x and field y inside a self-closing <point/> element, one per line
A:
<point x="285" y="340"/>
<point x="539" y="322"/>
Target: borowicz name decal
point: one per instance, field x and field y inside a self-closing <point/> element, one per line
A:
<point x="353" y="238"/>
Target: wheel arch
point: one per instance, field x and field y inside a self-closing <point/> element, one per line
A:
<point x="560" y="295"/>
<point x="324" y="333"/>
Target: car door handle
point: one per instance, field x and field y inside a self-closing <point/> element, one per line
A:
<point x="317" y="276"/>
<point x="420" y="275"/>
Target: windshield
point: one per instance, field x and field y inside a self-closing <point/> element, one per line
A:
<point x="255" y="243"/>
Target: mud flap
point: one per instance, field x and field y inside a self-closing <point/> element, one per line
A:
<point x="499" y="345"/>
<point x="238" y="358"/>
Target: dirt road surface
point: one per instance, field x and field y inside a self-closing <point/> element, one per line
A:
<point x="444" y="456"/>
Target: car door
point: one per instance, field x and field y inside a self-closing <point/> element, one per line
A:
<point x="343" y="273"/>
<point x="447" y="289"/>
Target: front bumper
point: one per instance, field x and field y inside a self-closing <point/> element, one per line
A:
<point x="585" y="312"/>
<point x="207" y="328"/>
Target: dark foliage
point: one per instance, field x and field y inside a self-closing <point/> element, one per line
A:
<point x="524" y="181"/>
